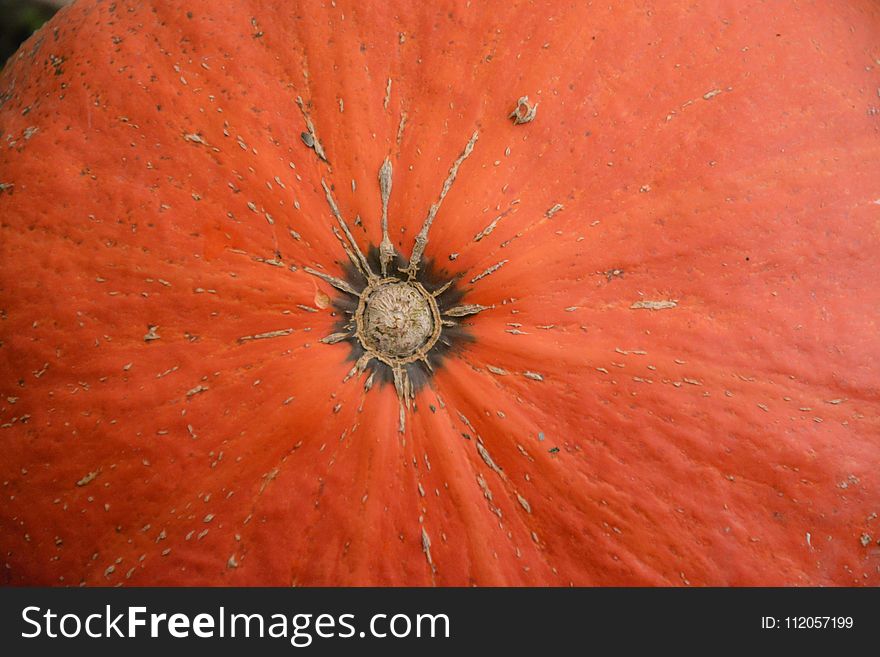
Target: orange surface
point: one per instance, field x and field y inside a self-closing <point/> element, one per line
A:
<point x="721" y="156"/>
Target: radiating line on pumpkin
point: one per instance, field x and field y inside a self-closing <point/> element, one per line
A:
<point x="556" y="208"/>
<point x="662" y="304"/>
<point x="386" y="248"/>
<point x="487" y="493"/>
<point x="277" y="260"/>
<point x="163" y="374"/>
<point x="310" y="138"/>
<point x="466" y="422"/>
<point x="405" y="393"/>
<point x="400" y="127"/>
<point x="422" y="238"/>
<point x="273" y="262"/>
<point x="488" y="271"/>
<point x="426" y="548"/>
<point x="338" y="283"/>
<point x="192" y="392"/>
<point x="492" y="225"/>
<point x="369" y="382"/>
<point x="387" y="95"/>
<point x="466" y="309"/>
<point x="440" y="290"/>
<point x="348" y="252"/>
<point x="542" y="220"/>
<point x="333" y="338"/>
<point x="512" y="493"/>
<point x="487" y="458"/>
<point x="524" y="503"/>
<point x="360" y="366"/>
<point x="359" y="260"/>
<point x="263" y="336"/>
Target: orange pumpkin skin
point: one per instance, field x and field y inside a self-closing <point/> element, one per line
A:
<point x="676" y="382"/>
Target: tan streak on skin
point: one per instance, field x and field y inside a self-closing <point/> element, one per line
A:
<point x="524" y="112"/>
<point x="662" y="304"/>
<point x="426" y="548"/>
<point x="492" y="226"/>
<point x="333" y="338"/>
<point x="338" y="283"/>
<point x="467" y="309"/>
<point x="345" y="247"/>
<point x="361" y="261"/>
<point x="422" y="238"/>
<point x="264" y="336"/>
<point x="489" y="271"/>
<point x="440" y="290"/>
<point x="556" y="208"/>
<point x="400" y="128"/>
<point x="387" y="95"/>
<point x="386" y="248"/>
<point x="312" y="142"/>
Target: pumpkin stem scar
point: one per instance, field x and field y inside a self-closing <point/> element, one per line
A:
<point x="422" y="238"/>
<point x="398" y="323"/>
<point x="524" y="111"/>
<point x="386" y="249"/>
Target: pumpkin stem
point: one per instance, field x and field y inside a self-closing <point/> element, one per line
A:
<point x="397" y="321"/>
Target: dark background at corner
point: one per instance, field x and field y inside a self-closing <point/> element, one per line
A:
<point x="19" y="19"/>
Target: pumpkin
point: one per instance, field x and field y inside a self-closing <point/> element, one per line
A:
<point x="457" y="293"/>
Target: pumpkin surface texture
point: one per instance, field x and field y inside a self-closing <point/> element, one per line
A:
<point x="449" y="293"/>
